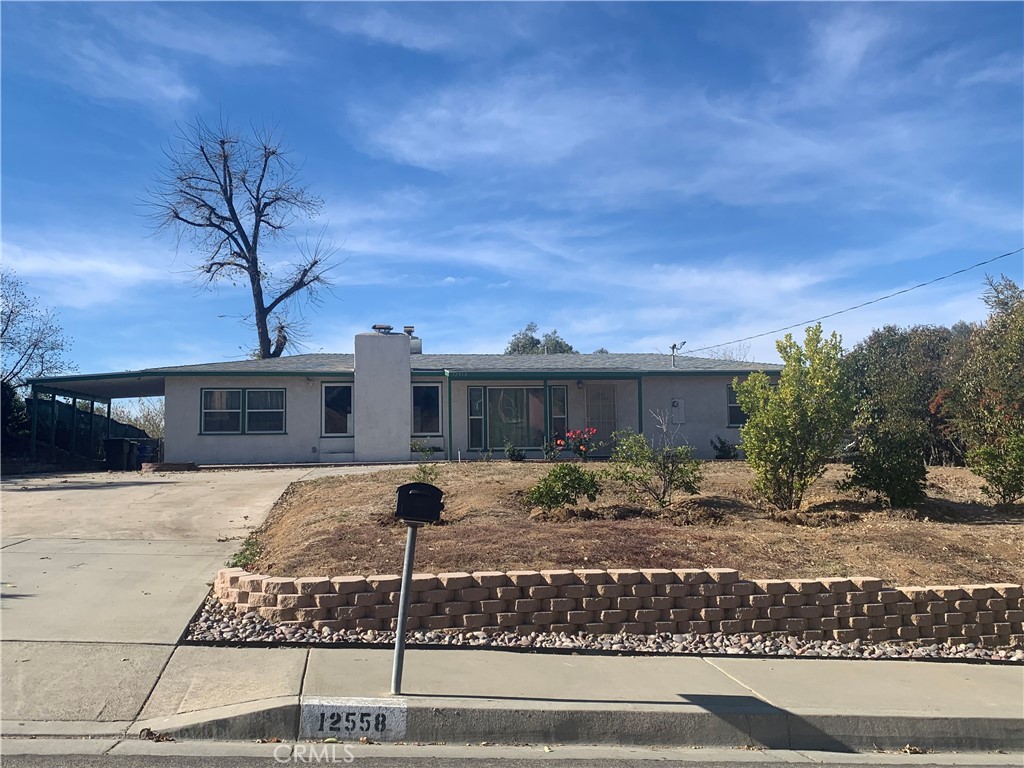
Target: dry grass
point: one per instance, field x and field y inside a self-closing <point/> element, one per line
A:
<point x="343" y="525"/>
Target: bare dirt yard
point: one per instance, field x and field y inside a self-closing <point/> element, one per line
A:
<point x="343" y="525"/>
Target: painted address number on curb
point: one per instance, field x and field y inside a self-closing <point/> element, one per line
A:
<point x="351" y="719"/>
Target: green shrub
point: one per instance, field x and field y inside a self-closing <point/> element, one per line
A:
<point x="724" y="449"/>
<point x="654" y="472"/>
<point x="426" y="473"/>
<point x="1001" y="464"/>
<point x="247" y="555"/>
<point x="564" y="485"/>
<point x="889" y="461"/>
<point x="512" y="453"/>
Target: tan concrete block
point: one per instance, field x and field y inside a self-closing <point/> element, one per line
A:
<point x="953" y="619"/>
<point x="793" y="600"/>
<point x="805" y="586"/>
<point x="859" y="622"/>
<point x="659" y="603"/>
<point x="712" y="614"/>
<point x="793" y="625"/>
<point x="922" y="619"/>
<point x="509" y="593"/>
<point x="559" y="578"/>
<point x="575" y="591"/>
<point x="610" y="590"/>
<point x="673" y="590"/>
<point x="579" y="617"/>
<point x="490" y="579"/>
<point x="563" y="604"/>
<point x="746" y="613"/>
<point x="421" y="582"/>
<point x="980" y="591"/>
<point x="278" y="585"/>
<point x="384" y="582"/>
<point x="473" y="594"/>
<point x="348" y="612"/>
<point x="613" y="616"/>
<point x="658" y="575"/>
<point x="555" y="629"/>
<point x="295" y="601"/>
<point x="691" y="575"/>
<point x="647" y="615"/>
<point x="262" y="600"/>
<point x="948" y="593"/>
<point x="763" y="625"/>
<point x="277" y="614"/>
<point x="723" y="575"/>
<point x="309" y="615"/>
<point x="641" y="590"/>
<point x="420" y="610"/>
<point x="493" y="606"/>
<point x="845" y="635"/>
<point x="599" y="603"/>
<point x="731" y="627"/>
<point x="728" y="602"/>
<point x="985" y="617"/>
<point x="366" y="599"/>
<point x="809" y="611"/>
<point x="860" y="598"/>
<point x="905" y="609"/>
<point x="868" y="583"/>
<point x="892" y="621"/>
<point x="813" y="635"/>
<point x="778" y="612"/>
<point x="508" y="619"/>
<point x="828" y="623"/>
<point x="541" y="618"/>
<point x="772" y="586"/>
<point x="346" y="585"/>
<point x="475" y="620"/>
<point x="1009" y="591"/>
<point x="374" y="624"/>
<point x="836" y="585"/>
<point x="914" y="594"/>
<point x="545" y="592"/>
<point x="661" y="627"/>
<point x="1002" y="628"/>
<point x="846" y="611"/>
<point x="1014" y="616"/>
<point x="761" y="601"/>
<point x="438" y="596"/>
<point x="455" y="580"/>
<point x="825" y="599"/>
<point x="436" y="622"/>
<point x="995" y="604"/>
<point x="525" y="578"/>
<point x="873" y="609"/>
<point x="886" y="596"/>
<point x="907" y="633"/>
<point x="328" y="601"/>
<point x="625" y="576"/>
<point x="454" y="609"/>
<point x="526" y="606"/>
<point x="693" y="602"/>
<point x="709" y="589"/>
<point x="313" y="585"/>
<point x="628" y="603"/>
<point x="679" y="614"/>
<point x="591" y="576"/>
<point x="252" y="582"/>
<point x="878" y="635"/>
<point x="741" y="588"/>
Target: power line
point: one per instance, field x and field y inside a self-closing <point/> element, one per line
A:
<point x="858" y="306"/>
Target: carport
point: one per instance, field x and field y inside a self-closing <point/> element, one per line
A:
<point x="93" y="389"/>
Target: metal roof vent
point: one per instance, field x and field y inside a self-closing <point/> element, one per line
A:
<point x="381" y="328"/>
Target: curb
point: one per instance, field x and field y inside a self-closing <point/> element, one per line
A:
<point x="759" y="725"/>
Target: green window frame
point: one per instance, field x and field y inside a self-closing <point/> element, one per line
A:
<point x="238" y="411"/>
<point x="426" y="410"/>
<point x="336" y="409"/>
<point x="477" y="419"/>
<point x="558" y="399"/>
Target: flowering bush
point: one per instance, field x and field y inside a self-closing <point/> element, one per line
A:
<point x="553" y="449"/>
<point x="581" y="441"/>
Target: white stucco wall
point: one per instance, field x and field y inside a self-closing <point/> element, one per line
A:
<point x="704" y="405"/>
<point x="383" y="397"/>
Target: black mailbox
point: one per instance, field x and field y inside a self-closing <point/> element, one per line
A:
<point x="419" y="503"/>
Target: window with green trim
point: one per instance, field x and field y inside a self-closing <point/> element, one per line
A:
<point x="337" y="410"/>
<point x="242" y="411"/>
<point x="559" y="403"/>
<point x="476" y="418"/>
<point x="737" y="418"/>
<point x="426" y="409"/>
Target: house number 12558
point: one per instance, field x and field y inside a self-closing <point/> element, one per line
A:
<point x="353" y="722"/>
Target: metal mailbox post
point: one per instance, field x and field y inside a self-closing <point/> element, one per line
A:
<point x="418" y="504"/>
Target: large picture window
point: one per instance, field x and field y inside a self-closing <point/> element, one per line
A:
<point x="242" y="412"/>
<point x="337" y="409"/>
<point x="515" y="414"/>
<point x="737" y="418"/>
<point x="426" y="409"/>
<point x="222" y="412"/>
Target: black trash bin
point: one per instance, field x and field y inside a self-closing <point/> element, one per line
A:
<point x="116" y="451"/>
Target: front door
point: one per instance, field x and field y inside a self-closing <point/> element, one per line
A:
<point x="601" y="414"/>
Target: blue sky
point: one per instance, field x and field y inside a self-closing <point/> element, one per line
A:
<point x="631" y="174"/>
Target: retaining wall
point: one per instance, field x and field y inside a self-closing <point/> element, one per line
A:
<point x="646" y="601"/>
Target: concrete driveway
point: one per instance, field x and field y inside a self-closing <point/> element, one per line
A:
<point x="101" y="573"/>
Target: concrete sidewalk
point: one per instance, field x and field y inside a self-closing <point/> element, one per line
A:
<point x="474" y="696"/>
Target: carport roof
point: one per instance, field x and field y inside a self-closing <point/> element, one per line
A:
<point x="150" y="381"/>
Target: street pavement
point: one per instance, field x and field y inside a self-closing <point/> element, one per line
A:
<point x="101" y="574"/>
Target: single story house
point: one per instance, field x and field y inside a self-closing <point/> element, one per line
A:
<point x="373" y="405"/>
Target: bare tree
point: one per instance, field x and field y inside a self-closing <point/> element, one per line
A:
<point x="737" y="352"/>
<point x="146" y="413"/>
<point x="32" y="340"/>
<point x="230" y="195"/>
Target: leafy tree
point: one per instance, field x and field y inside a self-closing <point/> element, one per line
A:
<point x="146" y="413"/>
<point x="31" y="339"/>
<point x="526" y="342"/>
<point x="601" y="351"/>
<point x="564" y="484"/>
<point x="231" y="195"/>
<point x="794" y="428"/>
<point x="986" y="402"/>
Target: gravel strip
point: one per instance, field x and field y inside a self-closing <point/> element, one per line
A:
<point x="217" y="624"/>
